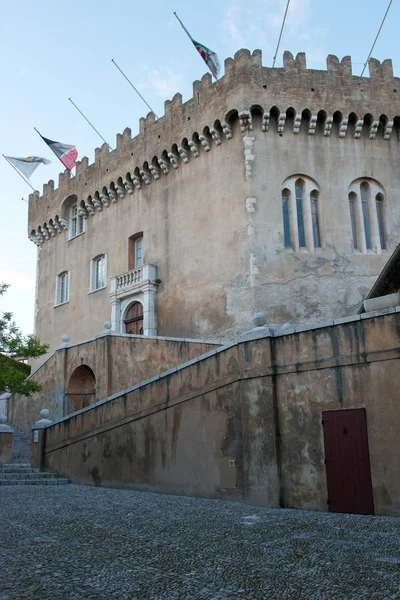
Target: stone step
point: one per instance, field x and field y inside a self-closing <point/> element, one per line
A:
<point x="55" y="481"/>
<point x="31" y="475"/>
<point x="21" y="471"/>
<point x="16" y="466"/>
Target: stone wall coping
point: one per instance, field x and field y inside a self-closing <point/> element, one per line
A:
<point x="237" y="342"/>
<point x="66" y="346"/>
<point x="6" y="428"/>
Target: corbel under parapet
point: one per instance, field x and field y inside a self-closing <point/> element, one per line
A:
<point x="312" y="125"/>
<point x="227" y="129"/>
<point x="216" y="136"/>
<point x="194" y="149"/>
<point x="358" y="128"/>
<point x="174" y="159"/>
<point x="297" y="123"/>
<point x="328" y="126"/>
<point x="265" y="121"/>
<point x="183" y="154"/>
<point x="245" y="119"/>
<point x="343" y="127"/>
<point x="388" y="130"/>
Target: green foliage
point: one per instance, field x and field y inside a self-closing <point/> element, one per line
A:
<point x="13" y="343"/>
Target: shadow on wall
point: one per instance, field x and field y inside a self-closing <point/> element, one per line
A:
<point x="81" y="391"/>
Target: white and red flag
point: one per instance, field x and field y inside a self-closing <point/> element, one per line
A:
<point x="209" y="57"/>
<point x="65" y="153"/>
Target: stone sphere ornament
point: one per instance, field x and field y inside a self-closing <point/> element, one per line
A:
<point x="65" y="339"/>
<point x="44" y="413"/>
<point x="259" y="319"/>
<point x="107" y="324"/>
<point x="3" y="419"/>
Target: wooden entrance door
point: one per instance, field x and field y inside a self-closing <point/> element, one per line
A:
<point x="348" y="471"/>
<point x="134" y="319"/>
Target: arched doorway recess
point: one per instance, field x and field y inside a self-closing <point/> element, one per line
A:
<point x="134" y="319"/>
<point x="81" y="388"/>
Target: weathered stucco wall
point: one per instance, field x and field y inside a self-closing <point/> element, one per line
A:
<point x="257" y="403"/>
<point x="213" y="226"/>
<point x="118" y="362"/>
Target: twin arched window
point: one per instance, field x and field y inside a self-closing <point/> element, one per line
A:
<point x="366" y="204"/>
<point x="301" y="210"/>
<point x="301" y="214"/>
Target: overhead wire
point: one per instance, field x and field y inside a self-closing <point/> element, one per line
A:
<point x="376" y="38"/>
<point x="281" y="33"/>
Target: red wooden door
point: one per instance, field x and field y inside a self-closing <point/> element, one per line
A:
<point x="134" y="319"/>
<point x="348" y="471"/>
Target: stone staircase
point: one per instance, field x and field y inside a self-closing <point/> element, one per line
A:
<point x="24" y="474"/>
<point x="19" y="471"/>
<point x="21" y="447"/>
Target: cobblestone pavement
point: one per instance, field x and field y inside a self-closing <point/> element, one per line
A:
<point x="79" y="542"/>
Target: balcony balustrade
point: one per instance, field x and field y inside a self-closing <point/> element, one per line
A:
<point x="132" y="280"/>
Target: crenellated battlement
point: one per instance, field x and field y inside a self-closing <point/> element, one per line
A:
<point x="332" y="103"/>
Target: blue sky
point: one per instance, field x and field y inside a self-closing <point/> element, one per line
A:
<point x="53" y="49"/>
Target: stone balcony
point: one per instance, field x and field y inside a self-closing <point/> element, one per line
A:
<point x="137" y="285"/>
<point x="133" y="280"/>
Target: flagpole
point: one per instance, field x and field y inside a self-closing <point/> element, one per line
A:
<point x="131" y="84"/>
<point x="92" y="126"/>
<point x="20" y="174"/>
<point x="183" y="27"/>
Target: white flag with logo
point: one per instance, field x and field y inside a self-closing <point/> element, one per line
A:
<point x="26" y="166"/>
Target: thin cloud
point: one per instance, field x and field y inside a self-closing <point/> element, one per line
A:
<point x="251" y="24"/>
<point x="230" y="27"/>
<point x="165" y="81"/>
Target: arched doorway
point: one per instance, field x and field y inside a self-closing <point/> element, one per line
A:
<point x="81" y="388"/>
<point x="134" y="319"/>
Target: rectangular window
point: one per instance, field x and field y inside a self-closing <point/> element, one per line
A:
<point x="286" y="223"/>
<point x="63" y="288"/>
<point x="353" y="222"/>
<point x="77" y="222"/>
<point x="138" y="252"/>
<point x="379" y="214"/>
<point x="300" y="217"/>
<point x="315" y="220"/>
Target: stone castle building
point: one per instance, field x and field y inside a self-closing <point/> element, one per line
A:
<point x="272" y="190"/>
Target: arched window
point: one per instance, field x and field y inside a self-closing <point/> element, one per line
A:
<point x="364" y="188"/>
<point x="315" y="218"/>
<point x="379" y="216"/>
<point x="352" y="206"/>
<point x="135" y="251"/>
<point x="98" y="273"/>
<point x="301" y="210"/>
<point x="70" y="212"/>
<point x="367" y="205"/>
<point x="62" y="288"/>
<point x="286" y="223"/>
